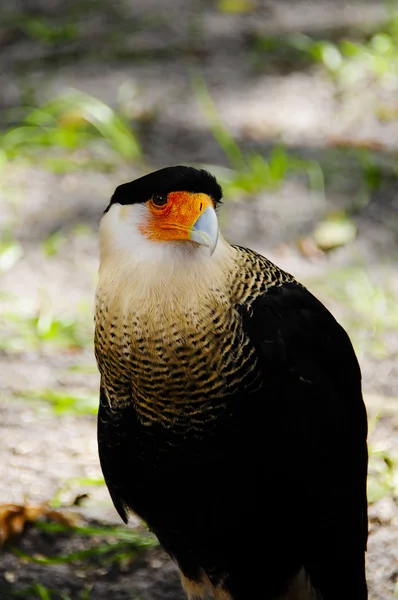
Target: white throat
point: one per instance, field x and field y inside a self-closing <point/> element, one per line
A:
<point x="137" y="269"/>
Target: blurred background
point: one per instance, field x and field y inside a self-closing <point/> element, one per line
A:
<point x="293" y="105"/>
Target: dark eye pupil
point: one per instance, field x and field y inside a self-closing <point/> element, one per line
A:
<point x="159" y="199"/>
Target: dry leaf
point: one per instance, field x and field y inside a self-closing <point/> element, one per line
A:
<point x="14" y="517"/>
<point x="308" y="248"/>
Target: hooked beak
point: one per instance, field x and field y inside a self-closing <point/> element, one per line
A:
<point x="205" y="229"/>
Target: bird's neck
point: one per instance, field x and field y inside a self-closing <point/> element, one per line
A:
<point x="177" y="275"/>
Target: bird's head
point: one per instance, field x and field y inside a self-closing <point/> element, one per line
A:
<point x="169" y="211"/>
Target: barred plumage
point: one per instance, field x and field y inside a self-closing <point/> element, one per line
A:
<point x="224" y="387"/>
<point x="137" y="349"/>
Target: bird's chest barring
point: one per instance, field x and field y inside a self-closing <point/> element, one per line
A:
<point x="175" y="379"/>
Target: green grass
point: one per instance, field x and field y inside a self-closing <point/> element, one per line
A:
<point x="383" y="474"/>
<point x="121" y="543"/>
<point x="359" y="57"/>
<point x="43" y="30"/>
<point x="383" y="468"/>
<point x="236" y="6"/>
<point x="72" y="131"/>
<point x="62" y="402"/>
<point x="54" y="243"/>
<point x="370" y="303"/>
<point x="107" y="545"/>
<point x="251" y="172"/>
<point x="86" y="369"/>
<point x="45" y="329"/>
<point x="373" y="60"/>
<point x="82" y="483"/>
<point x="10" y="252"/>
<point x="45" y="593"/>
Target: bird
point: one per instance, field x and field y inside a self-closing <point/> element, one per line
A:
<point x="231" y="419"/>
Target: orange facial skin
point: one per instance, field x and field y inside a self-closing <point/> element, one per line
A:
<point x="173" y="220"/>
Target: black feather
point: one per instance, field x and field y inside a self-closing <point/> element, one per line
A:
<point x="314" y="449"/>
<point x="278" y="482"/>
<point x="164" y="181"/>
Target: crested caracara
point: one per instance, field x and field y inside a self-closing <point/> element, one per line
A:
<point x="231" y="417"/>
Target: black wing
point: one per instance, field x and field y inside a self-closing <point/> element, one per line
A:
<point x="111" y="446"/>
<point x="313" y="447"/>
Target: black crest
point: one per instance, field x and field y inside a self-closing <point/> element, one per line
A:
<point x="170" y="179"/>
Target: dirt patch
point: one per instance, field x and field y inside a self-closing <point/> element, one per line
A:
<point x="150" y="575"/>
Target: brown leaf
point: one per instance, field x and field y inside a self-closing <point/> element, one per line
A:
<point x="14" y="517"/>
<point x="308" y="248"/>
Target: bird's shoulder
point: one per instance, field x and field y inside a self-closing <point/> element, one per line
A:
<point x="286" y="321"/>
<point x="311" y="394"/>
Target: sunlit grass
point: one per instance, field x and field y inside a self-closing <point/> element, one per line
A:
<point x="383" y="473"/>
<point x="53" y="244"/>
<point x="250" y="173"/>
<point x="45" y="329"/>
<point x="236" y="6"/>
<point x="361" y="58"/>
<point x="83" y="368"/>
<point x="383" y="467"/>
<point x="63" y="401"/>
<point x="10" y="252"/>
<point x="63" y="128"/>
<point x="370" y="303"/>
<point x="373" y="60"/>
<point x="38" y="325"/>
<point x="71" y="483"/>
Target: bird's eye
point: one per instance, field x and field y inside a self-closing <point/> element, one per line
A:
<point x="159" y="199"/>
